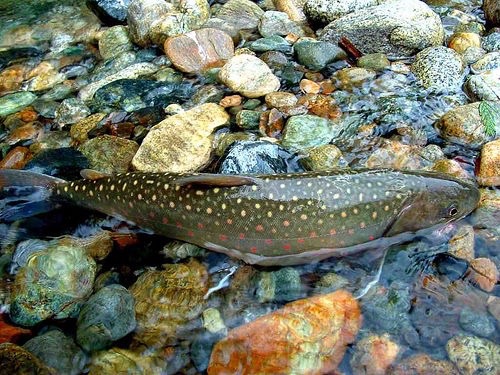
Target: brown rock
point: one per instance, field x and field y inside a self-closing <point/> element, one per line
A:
<point x="374" y="354"/>
<point x="17" y="360"/>
<point x="321" y="105"/>
<point x="79" y="131"/>
<point x="31" y="131"/>
<point x="460" y="42"/>
<point x="309" y="87"/>
<point x="12" y="77"/>
<point x="484" y="272"/>
<point x="461" y="244"/>
<point x="489" y="167"/>
<point x="199" y="50"/>
<point x="231" y="101"/>
<point x="492" y="12"/>
<point x="272" y="123"/>
<point x="306" y="336"/>
<point x="16" y="158"/>
<point x="450" y="167"/>
<point x="422" y="364"/>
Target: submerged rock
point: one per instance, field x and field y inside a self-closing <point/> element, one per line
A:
<point x="305" y="131"/>
<point x="492" y="12"/>
<point x="304" y="336"/>
<point x="71" y="111"/>
<point x="374" y="354"/>
<point x="114" y="41"/>
<point x="17" y="360"/>
<point x="278" y="23"/>
<point x="473" y="355"/>
<point x="423" y="364"/>
<point x="315" y="54"/>
<point x="484" y="86"/>
<point x="489" y="166"/>
<point x="123" y="361"/>
<point x="12" y="103"/>
<point x="109" y="12"/>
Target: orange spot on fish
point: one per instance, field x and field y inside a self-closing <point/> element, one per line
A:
<point x="259" y="228"/>
<point x="286" y="223"/>
<point x="268" y="241"/>
<point x="287" y="247"/>
<point x="229" y="221"/>
<point x="333" y="231"/>
<point x="253" y="249"/>
<point x="201" y="226"/>
<point x="313" y="234"/>
<point x="190" y="234"/>
<point x="164" y="220"/>
<point x="223" y="237"/>
<point x="300" y="240"/>
<point x="371" y="238"/>
<point x="242" y="236"/>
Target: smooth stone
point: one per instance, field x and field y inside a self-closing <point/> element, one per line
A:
<point x="17" y="360"/>
<point x="473" y="54"/>
<point x="484" y="86"/>
<point x="306" y="131"/>
<point x="461" y="245"/>
<point x="281" y="285"/>
<point x="280" y="99"/>
<point x="473" y="355"/>
<point x="487" y="62"/>
<point x="53" y="284"/>
<point x="109" y="154"/>
<point x="109" y="12"/>
<point x="182" y="142"/>
<point x="484" y="273"/>
<point x="463" y="125"/>
<point x="125" y="361"/>
<point x="226" y="140"/>
<point x="58" y="351"/>
<point x="114" y="41"/>
<point x="491" y="10"/>
<point x="489" y="166"/>
<point x="12" y="103"/>
<point x="374" y="61"/>
<point x="241" y="14"/>
<point x="79" y="132"/>
<point x="423" y="364"/>
<point x="460" y="42"/>
<point x="323" y="158"/>
<point x="131" y="72"/>
<point x="8" y="56"/>
<point x="491" y="42"/>
<point x="479" y="324"/>
<point x="17" y="158"/>
<point x="332" y="322"/>
<point x="248" y="119"/>
<point x="181" y="250"/>
<point x="107" y="316"/>
<point x="212" y="320"/>
<point x="374" y="354"/>
<point x="12" y="77"/>
<point x="315" y="54"/>
<point x="199" y="50"/>
<point x="271" y="43"/>
<point x="44" y="76"/>
<point x="293" y="8"/>
<point x="396" y="27"/>
<point x="439" y="68"/>
<point x="249" y="76"/>
<point x="326" y="11"/>
<point x="278" y="23"/>
<point x="349" y="79"/>
<point x="71" y="111"/>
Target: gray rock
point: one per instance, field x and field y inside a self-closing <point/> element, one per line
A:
<point x="484" y="86"/>
<point x="71" y="111"/>
<point x="281" y="285"/>
<point x="491" y="42"/>
<point x="374" y="61"/>
<point x="315" y="55"/>
<point x="326" y="11"/>
<point x="489" y="61"/>
<point x="271" y="43"/>
<point x="473" y="54"/>
<point x="396" y="27"/>
<point x="476" y="323"/>
<point x="241" y="14"/>
<point x="278" y="23"/>
<point x="439" y="68"/>
<point x="114" y="41"/>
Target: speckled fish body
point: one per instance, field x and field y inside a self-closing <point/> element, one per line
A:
<point x="279" y="219"/>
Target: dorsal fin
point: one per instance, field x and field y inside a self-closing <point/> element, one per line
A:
<point x="92" y="174"/>
<point x="208" y="179"/>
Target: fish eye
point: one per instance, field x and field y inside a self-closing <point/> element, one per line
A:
<point x="452" y="210"/>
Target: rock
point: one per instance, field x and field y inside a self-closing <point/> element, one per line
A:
<point x="212" y="321"/>
<point x="349" y="79"/>
<point x="166" y="300"/>
<point x="330" y="282"/>
<point x="281" y="285"/>
<point x="53" y="284"/>
<point x="321" y="105"/>
<point x="397" y="28"/>
<point x="323" y="158"/>
<point x="241" y="14"/>
<point x="306" y="131"/>
<point x="249" y="76"/>
<point x="114" y="41"/>
<point x="463" y="125"/>
<point x="278" y="23"/>
<point x="491" y="10"/>
<point x="248" y="120"/>
<point x="16" y="158"/>
<point x="182" y="250"/>
<point x="153" y="21"/>
<point x="12" y="103"/>
<point x="489" y="167"/>
<point x="488" y="62"/>
<point x="109" y="12"/>
<point x="326" y="11"/>
<point x="477" y="323"/>
<point x="423" y="364"/>
<point x="451" y="167"/>
<point x="461" y="245"/>
<point x="315" y="54"/>
<point x="332" y="321"/>
<point x="374" y="354"/>
<point x="98" y="246"/>
<point x="12" y="78"/>
<point x="280" y="99"/>
<point x="473" y="54"/>
<point x="271" y="43"/>
<point x="11" y="333"/>
<point x="439" y="68"/>
<point x="294" y="9"/>
<point x="44" y="76"/>
<point x="199" y="50"/>
<point x="473" y="355"/>
<point x="109" y="154"/>
<point x="57" y="351"/>
<point x="309" y="87"/>
<point x="491" y="42"/>
<point x="70" y="111"/>
<point x="181" y="143"/>
<point x="484" y="86"/>
<point x="484" y="273"/>
<point x="262" y="157"/>
<point x="107" y="316"/>
<point x="374" y="61"/>
<point x="460" y="42"/>
<point x="124" y="361"/>
<point x="79" y="132"/>
<point x="17" y="360"/>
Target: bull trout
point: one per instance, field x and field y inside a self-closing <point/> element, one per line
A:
<point x="272" y="219"/>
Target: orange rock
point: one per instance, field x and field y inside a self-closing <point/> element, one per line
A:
<point x="489" y="167"/>
<point x="30" y="131"/>
<point x="321" y="105"/>
<point x="231" y="101"/>
<point x="28" y="114"/>
<point x="272" y="123"/>
<point x="374" y="354"/>
<point x="484" y="272"/>
<point x="422" y="364"/>
<point x="16" y="158"/>
<point x="12" y="77"/>
<point x="309" y="87"/>
<point x="10" y="333"/>
<point x="307" y="336"/>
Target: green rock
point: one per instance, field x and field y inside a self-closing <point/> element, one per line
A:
<point x="228" y="139"/>
<point x="271" y="43"/>
<point x="251" y="104"/>
<point x="12" y="103"/>
<point x="305" y="131"/>
<point x="315" y="55"/>
<point x="374" y="61"/>
<point x="330" y="283"/>
<point x="248" y="120"/>
<point x="71" y="111"/>
<point x="323" y="157"/>
<point x="281" y="285"/>
<point x="290" y="75"/>
<point x="107" y="316"/>
<point x="114" y="41"/>
<point x="181" y="250"/>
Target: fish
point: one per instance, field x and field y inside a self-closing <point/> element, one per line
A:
<point x="281" y="219"/>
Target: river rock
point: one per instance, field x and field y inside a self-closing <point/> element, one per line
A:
<point x="489" y="166"/>
<point x="484" y="86"/>
<point x="423" y="364"/>
<point x="109" y="154"/>
<point x="241" y="14"/>
<point x="326" y="11"/>
<point x="12" y="103"/>
<point x="294" y="9"/>
<point x="395" y="27"/>
<point x="487" y="62"/>
<point x="271" y="43"/>
<point x="165" y="300"/>
<point x="71" y="111"/>
<point x="315" y="54"/>
<point x="277" y="23"/>
<point x="491" y="42"/>
<point x="306" y="131"/>
<point x="374" y="61"/>
<point x="199" y="50"/>
<point x="439" y="68"/>
<point x="17" y="360"/>
<point x="249" y="76"/>
<point x="476" y="322"/>
<point x="152" y="21"/>
<point x="79" y="132"/>
<point x="463" y="125"/>
<point x="182" y="142"/>
<point x="374" y="354"/>
<point x="461" y="245"/>
<point x="53" y="284"/>
<point x="11" y="78"/>
<point x="460" y="42"/>
<point x="491" y="10"/>
<point x="323" y="158"/>
<point x="473" y="355"/>
<point x="484" y="273"/>
<point x="332" y="321"/>
<point x="124" y="361"/>
<point x="114" y="41"/>
<point x="109" y="12"/>
<point x="44" y="76"/>
<point x="58" y="351"/>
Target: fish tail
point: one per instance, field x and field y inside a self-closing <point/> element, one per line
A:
<point x="25" y="194"/>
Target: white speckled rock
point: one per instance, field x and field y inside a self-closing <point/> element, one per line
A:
<point x="396" y="27"/>
<point x="439" y="68"/>
<point x="325" y="11"/>
<point x="249" y="76"/>
<point x="484" y="86"/>
<point x="182" y="142"/>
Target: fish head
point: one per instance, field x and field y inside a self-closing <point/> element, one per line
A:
<point x="439" y="200"/>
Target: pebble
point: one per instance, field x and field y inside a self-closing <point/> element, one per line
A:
<point x="332" y="321"/>
<point x="12" y="103"/>
<point x="44" y="76"/>
<point x="271" y="43"/>
<point x="491" y="10"/>
<point x="374" y="354"/>
<point x="17" y="360"/>
<point x="231" y="101"/>
<point x="306" y="131"/>
<point x="281" y="285"/>
<point x="278" y="23"/>
<point x="181" y="143"/>
<point x="199" y="50"/>
<point x="98" y="245"/>
<point x="397" y="28"/>
<point x="484" y="86"/>
<point x="323" y="158"/>
<point x="212" y="320"/>
<point x="57" y="351"/>
<point x="109" y="12"/>
<point x="11" y="333"/>
<point x="241" y="14"/>
<point x="71" y="111"/>
<point x="248" y="119"/>
<point x="123" y="361"/>
<point x="12" y="78"/>
<point x="439" y="68"/>
<point x="309" y="87"/>
<point x="460" y="42"/>
<point x="474" y="355"/>
<point x="181" y="250"/>
<point x="374" y="61"/>
<point x="16" y="158"/>
<point x="294" y="9"/>
<point x="476" y="323"/>
<point x="489" y="165"/>
<point x="423" y="364"/>
<point x="330" y="282"/>
<point x="114" y="41"/>
<point x="484" y="273"/>
<point x="488" y="62"/>
<point x="326" y="11"/>
<point x="349" y="79"/>
<point x="109" y="154"/>
<point x="280" y="99"/>
<point x="249" y="76"/>
<point x="451" y="167"/>
<point x="461" y="245"/>
<point x="315" y="54"/>
<point x="491" y="42"/>
<point x="79" y="132"/>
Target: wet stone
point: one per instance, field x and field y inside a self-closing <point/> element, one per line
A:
<point x="241" y="14"/>
<point x="248" y="120"/>
<point x="460" y="42"/>
<point x="11" y="103"/>
<point x="182" y="250"/>
<point x="461" y="245"/>
<point x="16" y="158"/>
<point x="491" y="42"/>
<point x="374" y="61"/>
<point x="484" y="273"/>
<point x="280" y="285"/>
<point x="423" y="364"/>
<point x="326" y="11"/>
<point x="374" y="354"/>
<point x="484" y="86"/>
<point x="477" y="323"/>
<point x="277" y="23"/>
<point x="323" y="158"/>
<point x="71" y="111"/>
<point x="109" y="154"/>
<point x="114" y="41"/>
<point x="489" y="166"/>
<point x="79" y="132"/>
<point x="57" y="351"/>
<point x="11" y="333"/>
<point x="330" y="282"/>
<point x="109" y="12"/>
<point x="17" y="360"/>
<point x="306" y="131"/>
<point x="280" y="99"/>
<point x="315" y="55"/>
<point x="473" y="355"/>
<point x="271" y="43"/>
<point x="451" y="167"/>
<point x="488" y="62"/>
<point x="121" y="361"/>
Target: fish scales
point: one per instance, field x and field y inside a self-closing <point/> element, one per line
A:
<point x="285" y="219"/>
